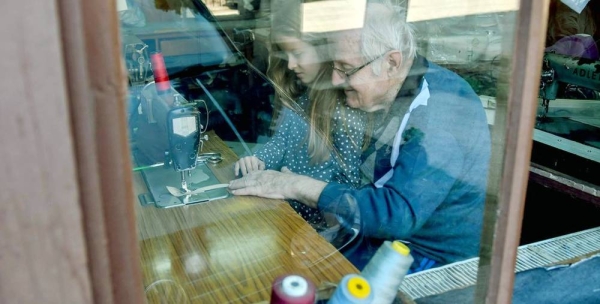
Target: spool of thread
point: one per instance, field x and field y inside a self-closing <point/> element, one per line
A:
<point x="353" y="289"/>
<point x="386" y="270"/>
<point x="161" y="78"/>
<point x="292" y="289"/>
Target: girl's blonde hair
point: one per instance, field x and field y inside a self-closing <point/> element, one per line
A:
<point x="321" y="95"/>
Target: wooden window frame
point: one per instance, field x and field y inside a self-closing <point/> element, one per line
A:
<point x="97" y="87"/>
<point x="85" y="163"/>
<point x="512" y="139"/>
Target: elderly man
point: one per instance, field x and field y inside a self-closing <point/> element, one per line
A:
<point x="428" y="156"/>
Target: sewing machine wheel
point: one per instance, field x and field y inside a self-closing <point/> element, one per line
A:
<point x="577" y="92"/>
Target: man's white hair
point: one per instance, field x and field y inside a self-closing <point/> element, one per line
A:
<point x="386" y="29"/>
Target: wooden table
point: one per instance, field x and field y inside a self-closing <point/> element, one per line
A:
<point x="230" y="250"/>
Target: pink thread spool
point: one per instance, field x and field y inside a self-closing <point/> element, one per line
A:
<point x="292" y="289"/>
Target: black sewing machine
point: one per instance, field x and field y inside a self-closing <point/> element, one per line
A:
<point x="167" y="138"/>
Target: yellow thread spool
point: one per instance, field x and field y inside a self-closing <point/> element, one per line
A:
<point x="386" y="270"/>
<point x="359" y="287"/>
<point x="400" y="248"/>
<point x="353" y="289"/>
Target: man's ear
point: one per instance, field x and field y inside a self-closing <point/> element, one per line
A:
<point x="394" y="60"/>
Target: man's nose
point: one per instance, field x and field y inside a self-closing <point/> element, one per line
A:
<point x="337" y="79"/>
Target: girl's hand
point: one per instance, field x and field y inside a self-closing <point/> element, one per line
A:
<point x="248" y="164"/>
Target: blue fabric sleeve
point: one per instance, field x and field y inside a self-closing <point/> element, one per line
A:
<point x="425" y="171"/>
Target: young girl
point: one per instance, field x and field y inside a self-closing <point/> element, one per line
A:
<point x="316" y="134"/>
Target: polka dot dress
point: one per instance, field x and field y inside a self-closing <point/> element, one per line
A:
<point x="289" y="147"/>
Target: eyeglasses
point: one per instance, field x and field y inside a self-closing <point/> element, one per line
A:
<point x="346" y="75"/>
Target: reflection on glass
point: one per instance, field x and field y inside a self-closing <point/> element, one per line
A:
<point x="567" y="134"/>
<point x="335" y="128"/>
<point x="570" y="83"/>
<point x="566" y="150"/>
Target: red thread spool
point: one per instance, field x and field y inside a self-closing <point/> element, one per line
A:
<point x="161" y="78"/>
<point x="292" y="289"/>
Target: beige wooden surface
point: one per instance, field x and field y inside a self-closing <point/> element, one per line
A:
<point x="230" y="250"/>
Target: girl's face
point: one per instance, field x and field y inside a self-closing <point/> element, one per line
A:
<point x="302" y="58"/>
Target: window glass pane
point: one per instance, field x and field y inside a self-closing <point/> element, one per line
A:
<point x="313" y="138"/>
<point x="563" y="191"/>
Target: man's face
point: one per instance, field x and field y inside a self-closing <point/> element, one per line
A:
<point x="364" y="89"/>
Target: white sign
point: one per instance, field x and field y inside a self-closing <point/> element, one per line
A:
<point x="121" y="5"/>
<point x="419" y="10"/>
<point x="333" y="15"/>
<point x="184" y="126"/>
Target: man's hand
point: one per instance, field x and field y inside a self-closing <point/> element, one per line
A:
<point x="279" y="185"/>
<point x="248" y="164"/>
